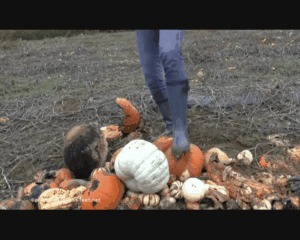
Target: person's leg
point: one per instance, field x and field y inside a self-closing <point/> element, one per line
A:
<point x="148" y="46"/>
<point x="177" y="86"/>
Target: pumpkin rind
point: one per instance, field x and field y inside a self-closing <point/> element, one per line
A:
<point x="63" y="174"/>
<point x="219" y="154"/>
<point x="104" y="192"/>
<point x="132" y="118"/>
<point x="163" y="143"/>
<point x="193" y="161"/>
<point x="142" y="166"/>
<point x="65" y="185"/>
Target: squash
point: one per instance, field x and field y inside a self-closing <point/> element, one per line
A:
<point x="60" y="199"/>
<point x="176" y="189"/>
<point x="63" y="174"/>
<point x="104" y="192"/>
<point x="132" y="118"/>
<point x="245" y="157"/>
<point x="193" y="161"/>
<point x="217" y="154"/>
<point x="142" y="167"/>
<point x="194" y="189"/>
<point x="163" y="143"/>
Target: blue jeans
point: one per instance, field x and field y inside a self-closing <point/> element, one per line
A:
<point x="161" y="60"/>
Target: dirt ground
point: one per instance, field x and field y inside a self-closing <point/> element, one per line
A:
<point x="244" y="83"/>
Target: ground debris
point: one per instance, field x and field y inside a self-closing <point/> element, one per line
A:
<point x="260" y="191"/>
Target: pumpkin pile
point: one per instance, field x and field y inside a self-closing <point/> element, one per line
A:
<point x="144" y="175"/>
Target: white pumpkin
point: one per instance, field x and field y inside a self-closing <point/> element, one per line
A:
<point x="142" y="167"/>
<point x="245" y="157"/>
<point x="193" y="189"/>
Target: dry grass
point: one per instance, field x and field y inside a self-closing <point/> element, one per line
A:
<point x="246" y="84"/>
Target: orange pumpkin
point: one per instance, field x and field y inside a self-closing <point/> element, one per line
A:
<point x="132" y="118"/>
<point x="105" y="191"/>
<point x="65" y="184"/>
<point x="53" y="185"/>
<point x="44" y="180"/>
<point x="163" y="143"/>
<point x="193" y="161"/>
<point x="50" y="178"/>
<point x="63" y="174"/>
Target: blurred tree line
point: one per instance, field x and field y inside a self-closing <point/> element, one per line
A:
<point x="7" y="35"/>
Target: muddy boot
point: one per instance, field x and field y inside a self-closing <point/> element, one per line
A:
<point x="178" y="93"/>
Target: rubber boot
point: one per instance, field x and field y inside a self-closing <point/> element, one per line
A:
<point x="178" y="94"/>
<point x="161" y="99"/>
<point x="165" y="112"/>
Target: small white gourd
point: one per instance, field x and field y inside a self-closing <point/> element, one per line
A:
<point x="245" y="157"/>
<point x="142" y="167"/>
<point x="193" y="189"/>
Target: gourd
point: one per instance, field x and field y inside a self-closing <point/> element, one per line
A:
<point x="194" y="189"/>
<point x="132" y="119"/>
<point x="45" y="180"/>
<point x="217" y="154"/>
<point x="104" y="192"/>
<point x="60" y="199"/>
<point x="142" y="167"/>
<point x="193" y="161"/>
<point x="245" y="157"/>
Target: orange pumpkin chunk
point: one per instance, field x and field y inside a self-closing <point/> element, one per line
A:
<point x="132" y="117"/>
